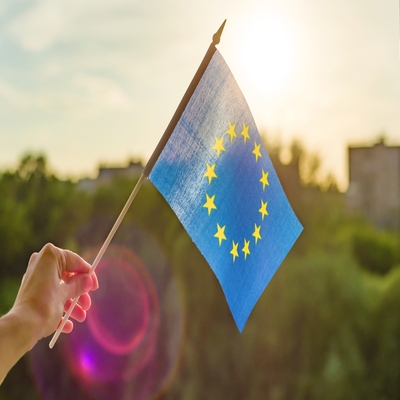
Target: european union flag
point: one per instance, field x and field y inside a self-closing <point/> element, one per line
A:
<point x="218" y="178"/>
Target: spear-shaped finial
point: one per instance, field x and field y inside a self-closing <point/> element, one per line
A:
<point x="182" y="105"/>
<point x="217" y="35"/>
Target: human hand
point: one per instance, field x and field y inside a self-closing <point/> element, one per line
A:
<point x="54" y="277"/>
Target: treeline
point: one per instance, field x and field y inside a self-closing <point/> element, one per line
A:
<point x="326" y="327"/>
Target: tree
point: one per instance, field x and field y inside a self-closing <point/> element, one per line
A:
<point x="37" y="208"/>
<point x="375" y="251"/>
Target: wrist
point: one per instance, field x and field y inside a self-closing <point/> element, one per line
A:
<point x="18" y="336"/>
<point x="26" y="327"/>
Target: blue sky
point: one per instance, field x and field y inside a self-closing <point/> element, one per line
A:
<point x="98" y="81"/>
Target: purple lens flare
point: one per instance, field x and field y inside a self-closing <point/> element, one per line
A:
<point x="131" y="342"/>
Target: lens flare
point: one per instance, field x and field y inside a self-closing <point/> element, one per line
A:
<point x="130" y="343"/>
<point x="127" y="308"/>
<point x="123" y="321"/>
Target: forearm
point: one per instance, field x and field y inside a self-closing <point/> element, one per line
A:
<point x="17" y="336"/>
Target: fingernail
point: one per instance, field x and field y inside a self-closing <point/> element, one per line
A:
<point x="87" y="283"/>
<point x="95" y="283"/>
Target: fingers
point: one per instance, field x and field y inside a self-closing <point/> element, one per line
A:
<point x="68" y="263"/>
<point x="84" y="302"/>
<point x="32" y="258"/>
<point x="69" y="325"/>
<point x="74" y="263"/>
<point x="78" y="313"/>
<point x="95" y="281"/>
<point x="42" y="293"/>
<point x="79" y="284"/>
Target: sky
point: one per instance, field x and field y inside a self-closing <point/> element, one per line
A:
<point x="97" y="81"/>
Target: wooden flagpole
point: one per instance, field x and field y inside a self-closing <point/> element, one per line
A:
<point x="149" y="165"/>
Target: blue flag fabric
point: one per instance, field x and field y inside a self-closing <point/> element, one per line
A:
<point x="218" y="178"/>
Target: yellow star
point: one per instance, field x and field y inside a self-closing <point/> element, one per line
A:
<point x="256" y="232"/>
<point x="231" y="131"/>
<point x="256" y="150"/>
<point x="264" y="179"/>
<point x="234" y="250"/>
<point x="246" y="249"/>
<point x="263" y="209"/>
<point x="219" y="146"/>
<point x="210" y="174"/>
<point x="245" y="133"/>
<point x="220" y="235"/>
<point x="209" y="204"/>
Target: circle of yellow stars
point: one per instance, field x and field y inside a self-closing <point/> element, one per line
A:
<point x="211" y="174"/>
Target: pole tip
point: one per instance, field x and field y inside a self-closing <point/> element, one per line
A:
<point x="217" y="35"/>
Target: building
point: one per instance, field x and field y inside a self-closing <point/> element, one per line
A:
<point x="374" y="183"/>
<point x="108" y="173"/>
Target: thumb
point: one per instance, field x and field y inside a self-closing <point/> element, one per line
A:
<point x="76" y="285"/>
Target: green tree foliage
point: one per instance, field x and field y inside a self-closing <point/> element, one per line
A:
<point x="323" y="329"/>
<point x="314" y="197"/>
<point x="36" y="208"/>
<point x="385" y="371"/>
<point x="376" y="251"/>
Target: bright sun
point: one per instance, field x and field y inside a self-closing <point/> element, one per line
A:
<point x="266" y="54"/>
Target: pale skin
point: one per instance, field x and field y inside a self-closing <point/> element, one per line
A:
<point x="53" y="277"/>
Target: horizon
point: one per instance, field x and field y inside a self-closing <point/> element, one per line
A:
<point x="124" y="163"/>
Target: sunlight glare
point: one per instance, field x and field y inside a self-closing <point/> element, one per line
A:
<point x="267" y="54"/>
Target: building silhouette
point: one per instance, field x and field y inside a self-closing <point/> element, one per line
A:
<point x="374" y="183"/>
<point x="107" y="174"/>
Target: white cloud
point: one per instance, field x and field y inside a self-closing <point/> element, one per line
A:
<point x="50" y="22"/>
<point x="87" y="96"/>
<point x="39" y="26"/>
<point x="102" y="93"/>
